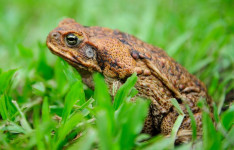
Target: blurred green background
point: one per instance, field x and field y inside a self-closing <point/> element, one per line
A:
<point x="196" y="33"/>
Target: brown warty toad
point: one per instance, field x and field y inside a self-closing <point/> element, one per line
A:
<point x="117" y="56"/>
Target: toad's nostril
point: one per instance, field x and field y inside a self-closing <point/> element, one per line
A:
<point x="55" y="35"/>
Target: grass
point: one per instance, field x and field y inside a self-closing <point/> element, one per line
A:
<point x="44" y="104"/>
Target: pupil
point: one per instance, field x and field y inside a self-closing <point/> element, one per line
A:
<point x="71" y="39"/>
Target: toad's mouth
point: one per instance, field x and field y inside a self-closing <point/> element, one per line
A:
<point x="67" y="56"/>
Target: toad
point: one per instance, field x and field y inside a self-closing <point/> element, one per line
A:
<point x="117" y="55"/>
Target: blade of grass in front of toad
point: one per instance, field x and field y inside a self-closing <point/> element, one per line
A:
<point x="130" y="120"/>
<point x="60" y="78"/>
<point x="193" y="123"/>
<point x="75" y="94"/>
<point x="228" y="140"/>
<point x="177" y="123"/>
<point x="211" y="138"/>
<point x="124" y="91"/>
<point x="227" y="118"/>
<point x="157" y="142"/>
<point x="104" y="114"/>
<point x="86" y="141"/>
<point x="66" y="128"/>
<point x="69" y="121"/>
<point x="72" y="76"/>
<point x="227" y="128"/>
<point x="126" y="126"/>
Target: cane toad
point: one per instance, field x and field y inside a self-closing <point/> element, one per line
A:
<point x="118" y="55"/>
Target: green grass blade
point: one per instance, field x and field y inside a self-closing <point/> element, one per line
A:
<point x="157" y="142"/>
<point x="105" y="127"/>
<point x="177" y="122"/>
<point x="228" y="140"/>
<point x="211" y="138"/>
<point x="13" y="128"/>
<point x="37" y="124"/>
<point x="45" y="110"/>
<point x="5" y="79"/>
<point x="124" y="91"/>
<point x="227" y="118"/>
<point x="85" y="105"/>
<point x="7" y="108"/>
<point x="60" y="78"/>
<point x="85" y="142"/>
<point x="101" y="94"/>
<point x="75" y="94"/>
<point x="66" y="128"/>
<point x="130" y="125"/>
<point x="24" y="122"/>
<point x="72" y="77"/>
<point x="104" y="114"/>
<point x="177" y="106"/>
<point x="193" y="123"/>
<point x="3" y="108"/>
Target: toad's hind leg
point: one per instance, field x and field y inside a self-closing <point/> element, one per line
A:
<point x="184" y="133"/>
<point x="148" y="125"/>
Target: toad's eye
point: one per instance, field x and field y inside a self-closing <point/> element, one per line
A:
<point x="71" y="39"/>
